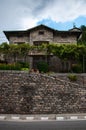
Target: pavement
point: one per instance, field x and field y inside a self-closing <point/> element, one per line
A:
<point x="42" y="117"/>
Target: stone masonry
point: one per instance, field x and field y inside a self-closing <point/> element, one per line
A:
<point x="25" y="93"/>
<point x="42" y="33"/>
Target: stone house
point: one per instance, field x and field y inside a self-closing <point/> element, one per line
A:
<point x="44" y="34"/>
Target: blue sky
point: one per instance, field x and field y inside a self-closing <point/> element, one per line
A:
<point x="81" y="20"/>
<point x="24" y="14"/>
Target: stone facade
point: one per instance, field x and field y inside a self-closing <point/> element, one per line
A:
<point x="67" y="39"/>
<point x="15" y="39"/>
<point x="43" y="33"/>
<point x="47" y="35"/>
<point x="24" y="93"/>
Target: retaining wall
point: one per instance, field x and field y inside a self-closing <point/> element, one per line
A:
<point x="24" y="93"/>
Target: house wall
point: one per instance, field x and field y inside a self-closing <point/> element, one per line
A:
<point x="24" y="93"/>
<point x="55" y="64"/>
<point x="47" y="36"/>
<point x="16" y="39"/>
<point x="67" y="39"/>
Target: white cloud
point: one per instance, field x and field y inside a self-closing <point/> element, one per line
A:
<point x="24" y="14"/>
<point x="64" y="10"/>
<point x="28" y="23"/>
<point x="19" y="14"/>
<point x="57" y="10"/>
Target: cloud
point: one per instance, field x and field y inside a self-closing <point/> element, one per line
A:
<point x="29" y="22"/>
<point x="22" y="14"/>
<point x="65" y="10"/>
<point x="56" y="10"/>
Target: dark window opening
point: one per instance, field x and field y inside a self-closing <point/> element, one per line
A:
<point x="37" y="43"/>
<point x="20" y="36"/>
<point x="63" y="35"/>
<point x="19" y="42"/>
<point x="41" y="32"/>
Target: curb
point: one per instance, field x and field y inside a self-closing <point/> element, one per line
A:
<point x="66" y="117"/>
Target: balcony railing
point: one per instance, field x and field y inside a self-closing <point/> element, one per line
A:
<point x="38" y="52"/>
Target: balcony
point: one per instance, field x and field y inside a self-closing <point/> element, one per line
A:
<point x="36" y="51"/>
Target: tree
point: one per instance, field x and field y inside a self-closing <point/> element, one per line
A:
<point x="24" y="50"/>
<point x="14" y="52"/>
<point x="83" y="38"/>
<point x="4" y="49"/>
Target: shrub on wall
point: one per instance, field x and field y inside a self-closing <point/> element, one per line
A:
<point x="24" y="64"/>
<point x="10" y="66"/>
<point x="15" y="66"/>
<point x="76" y="68"/>
<point x="72" y="77"/>
<point x="42" y="66"/>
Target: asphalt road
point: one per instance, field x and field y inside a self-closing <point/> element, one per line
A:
<point x="43" y="125"/>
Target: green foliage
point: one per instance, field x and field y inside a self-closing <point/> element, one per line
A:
<point x="24" y="69"/>
<point x="42" y="66"/>
<point x="76" y="68"/>
<point x="70" y="52"/>
<point x="4" y="46"/>
<point x="82" y="40"/>
<point x="10" y="67"/>
<point x="63" y="51"/>
<point x="16" y="66"/>
<point x="24" y="64"/>
<point x="24" y="49"/>
<point x="72" y="77"/>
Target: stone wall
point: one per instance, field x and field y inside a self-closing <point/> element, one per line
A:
<point x="47" y="36"/>
<point x="69" y="39"/>
<point x="24" y="93"/>
<point x="35" y="36"/>
<point x="22" y="39"/>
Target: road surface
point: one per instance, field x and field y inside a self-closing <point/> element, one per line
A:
<point x="43" y="125"/>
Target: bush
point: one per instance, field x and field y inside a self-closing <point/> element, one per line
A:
<point x="76" y="68"/>
<point x="24" y="64"/>
<point x="10" y="66"/>
<point x="42" y="67"/>
<point x="24" y="69"/>
<point x="15" y="66"/>
<point x="72" y="77"/>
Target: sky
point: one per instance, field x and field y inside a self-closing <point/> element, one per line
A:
<point x="57" y="14"/>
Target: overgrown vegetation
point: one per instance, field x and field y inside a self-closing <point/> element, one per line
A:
<point x="82" y="40"/>
<point x="42" y="67"/>
<point x="68" y="52"/>
<point x="72" y="77"/>
<point x="10" y="66"/>
<point x="14" y="66"/>
<point x="76" y="68"/>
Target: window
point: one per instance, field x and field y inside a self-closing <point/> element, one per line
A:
<point x="41" y="32"/>
<point x="63" y="35"/>
<point x="19" y="43"/>
<point x="19" y="36"/>
<point x="36" y="43"/>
